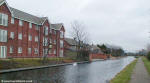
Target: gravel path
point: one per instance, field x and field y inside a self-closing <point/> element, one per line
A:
<point x="140" y="74"/>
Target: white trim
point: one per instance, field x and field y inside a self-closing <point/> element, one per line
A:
<point x="45" y="20"/>
<point x="2" y="3"/>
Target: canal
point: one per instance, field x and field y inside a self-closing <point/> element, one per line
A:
<point x="95" y="72"/>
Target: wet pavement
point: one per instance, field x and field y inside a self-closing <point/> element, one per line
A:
<point x="140" y="74"/>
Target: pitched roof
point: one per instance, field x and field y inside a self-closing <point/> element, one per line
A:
<point x="1" y="1"/>
<point x="25" y="16"/>
<point x="56" y="26"/>
<point x="70" y="41"/>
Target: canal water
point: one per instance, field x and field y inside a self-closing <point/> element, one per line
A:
<point x="95" y="72"/>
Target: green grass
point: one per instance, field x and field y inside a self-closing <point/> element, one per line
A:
<point x="146" y="63"/>
<point x="28" y="62"/>
<point x="125" y="75"/>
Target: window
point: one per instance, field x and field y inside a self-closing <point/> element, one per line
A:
<point x="37" y="27"/>
<point x="45" y="41"/>
<point x="61" y="44"/>
<point x="35" y="51"/>
<point x="20" y="36"/>
<point x="3" y="35"/>
<point x="54" y="41"/>
<point x="12" y="35"/>
<point x="30" y="37"/>
<point x="45" y="51"/>
<point x="61" y="34"/>
<point x="3" y="19"/>
<point x="46" y="30"/>
<point x="61" y="52"/>
<point x="54" y="51"/>
<point x="12" y="20"/>
<point x="30" y="25"/>
<point x="3" y="51"/>
<point x="29" y="50"/>
<point x="36" y="38"/>
<point x="20" y="50"/>
<point x="20" y="23"/>
<point x="11" y="49"/>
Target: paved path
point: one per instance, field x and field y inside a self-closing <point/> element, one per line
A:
<point x="140" y="74"/>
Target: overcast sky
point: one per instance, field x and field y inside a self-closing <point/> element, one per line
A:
<point x="124" y="23"/>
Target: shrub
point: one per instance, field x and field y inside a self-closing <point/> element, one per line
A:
<point x="148" y="55"/>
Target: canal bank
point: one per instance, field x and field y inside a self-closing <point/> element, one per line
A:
<point x="40" y="67"/>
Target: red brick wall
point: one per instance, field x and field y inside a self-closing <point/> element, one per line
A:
<point x="98" y="56"/>
<point x="4" y="9"/>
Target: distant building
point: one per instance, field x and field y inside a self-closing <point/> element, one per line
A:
<point x="96" y="50"/>
<point x="70" y="44"/>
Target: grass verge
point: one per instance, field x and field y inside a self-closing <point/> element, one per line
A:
<point x="30" y="62"/>
<point x="146" y="63"/>
<point x="125" y="75"/>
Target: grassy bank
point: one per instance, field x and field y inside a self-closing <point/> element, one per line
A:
<point x="125" y="75"/>
<point x="146" y="63"/>
<point x="30" y="62"/>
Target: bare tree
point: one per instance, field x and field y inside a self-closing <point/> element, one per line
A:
<point x="80" y="35"/>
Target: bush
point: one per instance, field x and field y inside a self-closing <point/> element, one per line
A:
<point x="148" y="55"/>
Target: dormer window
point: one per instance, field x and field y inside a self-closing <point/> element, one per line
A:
<point x="3" y="19"/>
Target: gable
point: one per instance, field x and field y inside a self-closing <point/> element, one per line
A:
<point x="4" y="7"/>
<point x="62" y="28"/>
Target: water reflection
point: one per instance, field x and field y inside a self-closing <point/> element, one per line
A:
<point x="96" y="72"/>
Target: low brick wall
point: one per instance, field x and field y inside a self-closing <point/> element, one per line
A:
<point x="99" y="56"/>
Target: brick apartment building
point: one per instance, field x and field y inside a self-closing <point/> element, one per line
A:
<point x="26" y="35"/>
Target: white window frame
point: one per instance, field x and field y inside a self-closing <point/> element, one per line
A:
<point x="29" y="50"/>
<point x="12" y="20"/>
<point x="35" y="51"/>
<point x="19" y="49"/>
<point x="61" y="44"/>
<point x="3" y="51"/>
<point x="20" y="36"/>
<point x="45" y="31"/>
<point x="3" y="19"/>
<point x="11" y="49"/>
<point x="61" y="53"/>
<point x="36" y="39"/>
<point x="54" y="41"/>
<point x="61" y="34"/>
<point x="30" y="38"/>
<point x="20" y="23"/>
<point x="3" y="35"/>
<point x="54" y="51"/>
<point x="12" y="35"/>
<point x="45" y="41"/>
<point x="30" y="25"/>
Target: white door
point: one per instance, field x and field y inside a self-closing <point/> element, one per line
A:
<point x="3" y="51"/>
